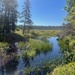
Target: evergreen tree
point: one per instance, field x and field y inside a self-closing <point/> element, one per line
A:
<point x="26" y="16"/>
<point x="8" y="15"/>
<point x="1" y="17"/>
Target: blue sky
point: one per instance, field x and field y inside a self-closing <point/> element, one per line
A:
<point x="46" y="12"/>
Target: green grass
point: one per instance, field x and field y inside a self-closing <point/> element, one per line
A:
<point x="47" y="33"/>
<point x="68" y="69"/>
<point x="35" y="33"/>
<point x="35" y="47"/>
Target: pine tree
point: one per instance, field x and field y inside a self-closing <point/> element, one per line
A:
<point x="8" y="15"/>
<point x="1" y="17"/>
<point x="26" y="16"/>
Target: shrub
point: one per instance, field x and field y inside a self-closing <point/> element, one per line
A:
<point x="35" y="47"/>
<point x="68" y="69"/>
<point x="67" y="46"/>
<point x="27" y="71"/>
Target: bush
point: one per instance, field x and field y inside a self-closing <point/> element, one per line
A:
<point x="35" y="47"/>
<point x="68" y="69"/>
<point x="67" y="46"/>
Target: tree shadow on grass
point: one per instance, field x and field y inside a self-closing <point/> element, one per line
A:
<point x="14" y="37"/>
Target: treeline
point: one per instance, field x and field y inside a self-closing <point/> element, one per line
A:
<point x="44" y="27"/>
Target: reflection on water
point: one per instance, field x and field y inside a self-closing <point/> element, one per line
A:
<point x="14" y="66"/>
<point x="55" y="53"/>
<point x="9" y="68"/>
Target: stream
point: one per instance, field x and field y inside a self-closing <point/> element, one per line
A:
<point x="12" y="67"/>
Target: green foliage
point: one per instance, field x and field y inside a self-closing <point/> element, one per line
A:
<point x="26" y="17"/>
<point x="35" y="47"/>
<point x="35" y="35"/>
<point x="36" y="70"/>
<point x="17" y="56"/>
<point x="68" y="48"/>
<point x="46" y="67"/>
<point x="28" y="71"/>
<point x="68" y="69"/>
<point x="3" y="45"/>
<point x="17" y="29"/>
<point x="8" y="16"/>
<point x="39" y="45"/>
<point x="39" y="33"/>
<point x="21" y="45"/>
<point x="70" y="8"/>
<point x="47" y="33"/>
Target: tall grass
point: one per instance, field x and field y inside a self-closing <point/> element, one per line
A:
<point x="35" y="47"/>
<point x="47" y="33"/>
<point x="35" y="33"/>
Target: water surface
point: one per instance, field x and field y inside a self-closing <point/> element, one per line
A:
<point x="14" y="66"/>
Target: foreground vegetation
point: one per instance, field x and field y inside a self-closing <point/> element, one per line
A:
<point x="43" y="69"/>
<point x="68" y="69"/>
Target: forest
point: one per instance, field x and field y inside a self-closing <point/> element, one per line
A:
<point x="35" y="50"/>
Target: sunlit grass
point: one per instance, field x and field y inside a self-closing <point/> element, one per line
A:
<point x="34" y="47"/>
<point x="43" y="33"/>
<point x="47" y="33"/>
<point x="68" y="69"/>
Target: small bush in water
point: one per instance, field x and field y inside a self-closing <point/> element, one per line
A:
<point x="35" y="47"/>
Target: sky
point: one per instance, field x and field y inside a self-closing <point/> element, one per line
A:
<point x="46" y="12"/>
